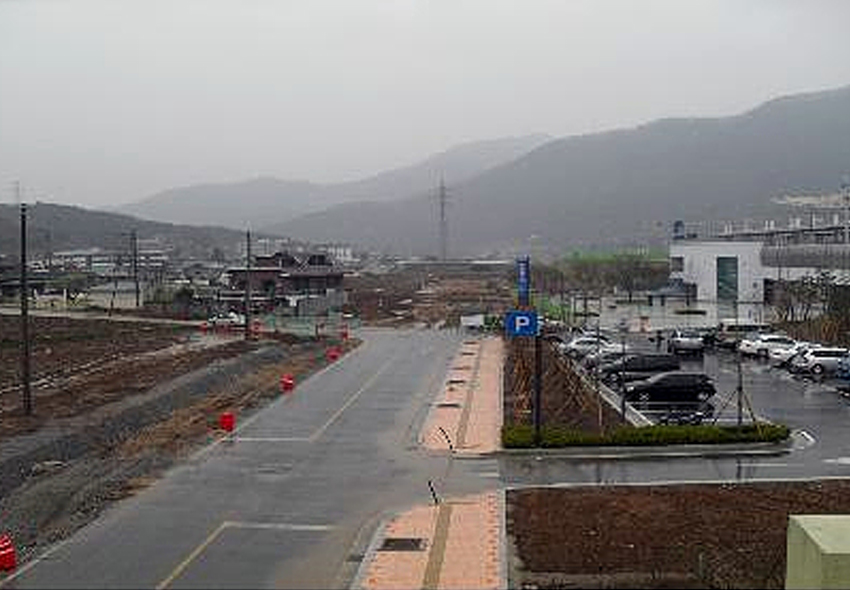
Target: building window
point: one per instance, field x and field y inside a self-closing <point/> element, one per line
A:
<point x="677" y="264"/>
<point x="727" y="278"/>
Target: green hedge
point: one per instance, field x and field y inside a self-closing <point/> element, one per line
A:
<point x="522" y="436"/>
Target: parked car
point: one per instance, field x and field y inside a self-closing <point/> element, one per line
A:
<point x="817" y="361"/>
<point x="673" y="391"/>
<point x="780" y="357"/>
<point x="730" y="332"/>
<point x="593" y="360"/>
<point x="761" y="345"/>
<point x="582" y="345"/>
<point x="685" y="342"/>
<point x="230" y="318"/>
<point x="635" y="367"/>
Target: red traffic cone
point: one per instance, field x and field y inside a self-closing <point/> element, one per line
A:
<point x="227" y="421"/>
<point x="8" y="558"/>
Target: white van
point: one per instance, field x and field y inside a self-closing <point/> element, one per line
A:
<point x="731" y="331"/>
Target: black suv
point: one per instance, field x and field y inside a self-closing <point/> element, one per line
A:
<point x="634" y="367"/>
<point x="673" y="390"/>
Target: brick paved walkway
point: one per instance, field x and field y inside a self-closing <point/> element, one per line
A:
<point x="461" y="537"/>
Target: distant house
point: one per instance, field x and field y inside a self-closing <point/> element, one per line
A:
<point x="303" y="284"/>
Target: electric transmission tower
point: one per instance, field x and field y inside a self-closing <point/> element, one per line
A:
<point x="443" y="199"/>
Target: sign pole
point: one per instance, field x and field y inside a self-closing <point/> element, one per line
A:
<point x="538" y="386"/>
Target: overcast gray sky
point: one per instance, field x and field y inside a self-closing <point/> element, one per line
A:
<point x="107" y="101"/>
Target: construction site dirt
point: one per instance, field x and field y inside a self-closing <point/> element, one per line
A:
<point x="116" y="404"/>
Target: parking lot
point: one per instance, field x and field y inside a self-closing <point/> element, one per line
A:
<point x="813" y="407"/>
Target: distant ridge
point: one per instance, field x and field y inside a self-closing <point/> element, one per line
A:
<point x="61" y="227"/>
<point x="619" y="187"/>
<point x="264" y="201"/>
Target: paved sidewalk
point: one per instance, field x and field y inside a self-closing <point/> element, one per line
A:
<point x="459" y="542"/>
<point x="469" y="409"/>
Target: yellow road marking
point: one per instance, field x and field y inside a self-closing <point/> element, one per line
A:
<point x="181" y="567"/>
<point x="321" y="430"/>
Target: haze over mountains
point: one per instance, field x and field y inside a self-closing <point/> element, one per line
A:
<point x="620" y="187"/>
<point x="617" y="188"/>
<point x="263" y="201"/>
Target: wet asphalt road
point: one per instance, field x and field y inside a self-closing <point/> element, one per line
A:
<point x="294" y="500"/>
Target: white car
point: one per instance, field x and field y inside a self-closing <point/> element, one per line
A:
<point x="762" y="344"/>
<point x="232" y="319"/>
<point x="578" y="347"/>
<point x="779" y="357"/>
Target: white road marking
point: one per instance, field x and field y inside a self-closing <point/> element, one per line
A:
<point x="809" y="438"/>
<point x="31" y="564"/>
<point x="838" y="461"/>
<point x="272" y="439"/>
<point x="229" y="524"/>
<point x="279" y="526"/>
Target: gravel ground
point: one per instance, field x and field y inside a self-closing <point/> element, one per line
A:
<point x="687" y="536"/>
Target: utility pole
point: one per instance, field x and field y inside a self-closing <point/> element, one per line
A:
<point x="740" y="385"/>
<point x="134" y="240"/>
<point x="845" y="194"/>
<point x="26" y="392"/>
<point x="247" y="284"/>
<point x="444" y="221"/>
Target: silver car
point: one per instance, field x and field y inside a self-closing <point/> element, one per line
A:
<point x="685" y="342"/>
<point x="817" y="361"/>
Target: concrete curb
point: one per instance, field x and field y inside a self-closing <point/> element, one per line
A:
<point x="654" y="452"/>
<point x="377" y="539"/>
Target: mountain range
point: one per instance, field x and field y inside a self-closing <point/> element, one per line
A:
<point x="52" y="228"/>
<point x="258" y="202"/>
<point x="617" y="188"/>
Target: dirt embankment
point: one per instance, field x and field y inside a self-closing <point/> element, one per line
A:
<point x="687" y="536"/>
<point x="106" y="427"/>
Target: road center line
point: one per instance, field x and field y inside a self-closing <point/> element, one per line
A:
<point x="181" y="567"/>
<point x="229" y="524"/>
<point x="353" y="398"/>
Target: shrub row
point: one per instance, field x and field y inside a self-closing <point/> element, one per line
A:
<point x="521" y="436"/>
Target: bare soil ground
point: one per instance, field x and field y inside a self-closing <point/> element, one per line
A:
<point x="687" y="536"/>
<point x="116" y="405"/>
<point x="61" y="346"/>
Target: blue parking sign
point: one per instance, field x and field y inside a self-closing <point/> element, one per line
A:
<point x="521" y="323"/>
<point x="523" y="280"/>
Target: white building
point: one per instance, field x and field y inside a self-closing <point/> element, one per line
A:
<point x="743" y="266"/>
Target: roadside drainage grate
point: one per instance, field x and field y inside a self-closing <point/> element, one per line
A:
<point x="403" y="544"/>
<point x="448" y="404"/>
<point x="355" y="558"/>
<point x="468" y="353"/>
<point x="457" y="381"/>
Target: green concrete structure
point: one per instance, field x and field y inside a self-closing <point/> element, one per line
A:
<point x="818" y="551"/>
